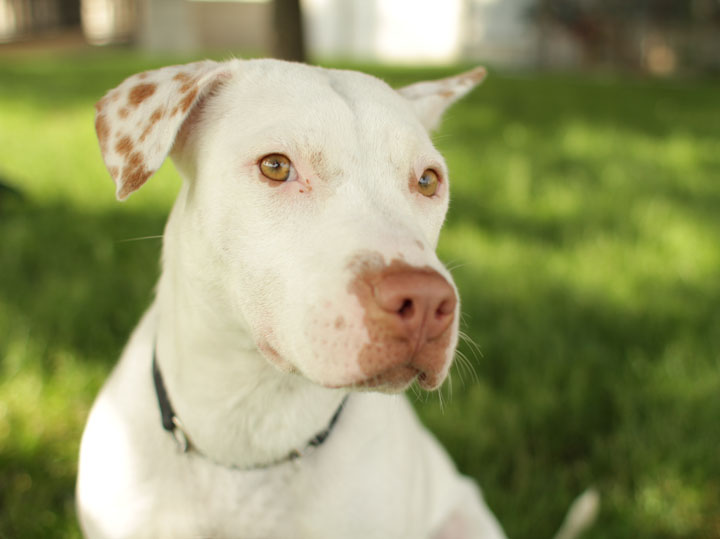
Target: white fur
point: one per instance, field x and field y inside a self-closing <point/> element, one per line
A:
<point x="249" y="267"/>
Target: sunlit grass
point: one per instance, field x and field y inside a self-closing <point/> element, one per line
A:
<point x="583" y="233"/>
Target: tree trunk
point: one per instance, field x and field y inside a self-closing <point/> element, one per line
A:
<point x="288" y="41"/>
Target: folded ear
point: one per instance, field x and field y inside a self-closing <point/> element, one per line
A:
<point x="137" y="122"/>
<point x="431" y="98"/>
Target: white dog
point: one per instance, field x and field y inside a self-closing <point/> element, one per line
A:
<point x="300" y="293"/>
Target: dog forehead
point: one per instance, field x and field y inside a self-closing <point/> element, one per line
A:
<point x="266" y="91"/>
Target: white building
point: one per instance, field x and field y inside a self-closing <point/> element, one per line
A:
<point x="397" y="31"/>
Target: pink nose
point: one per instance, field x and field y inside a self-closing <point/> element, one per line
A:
<point x="421" y="304"/>
<point x="408" y="314"/>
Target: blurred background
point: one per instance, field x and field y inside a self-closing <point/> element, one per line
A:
<point x="583" y="232"/>
<point x="662" y="37"/>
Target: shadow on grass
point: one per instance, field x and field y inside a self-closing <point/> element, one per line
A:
<point x="74" y="279"/>
<point x="37" y="492"/>
<point x="575" y="390"/>
<point x="71" y="291"/>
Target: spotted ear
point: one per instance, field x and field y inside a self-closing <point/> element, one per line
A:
<point x="430" y="99"/>
<point x="137" y="122"/>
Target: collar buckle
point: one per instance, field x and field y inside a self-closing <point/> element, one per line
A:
<point x="180" y="435"/>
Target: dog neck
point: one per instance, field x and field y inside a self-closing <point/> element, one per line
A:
<point x="236" y="408"/>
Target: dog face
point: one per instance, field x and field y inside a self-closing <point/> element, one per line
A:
<point x="313" y="203"/>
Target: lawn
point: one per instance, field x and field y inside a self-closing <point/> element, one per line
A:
<point x="584" y="234"/>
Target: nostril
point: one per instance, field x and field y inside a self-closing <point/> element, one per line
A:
<point x="445" y="308"/>
<point x="420" y="304"/>
<point x="407" y="309"/>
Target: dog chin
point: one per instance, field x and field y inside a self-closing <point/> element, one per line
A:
<point x="395" y="380"/>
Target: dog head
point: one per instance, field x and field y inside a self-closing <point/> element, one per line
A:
<point x="312" y="204"/>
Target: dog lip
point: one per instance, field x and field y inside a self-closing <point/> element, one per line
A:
<point x="429" y="382"/>
<point x="395" y="379"/>
<point x="398" y="377"/>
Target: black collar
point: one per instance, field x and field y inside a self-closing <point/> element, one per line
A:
<point x="171" y="423"/>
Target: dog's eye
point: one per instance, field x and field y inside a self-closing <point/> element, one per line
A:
<point x="428" y="183"/>
<point x="275" y="167"/>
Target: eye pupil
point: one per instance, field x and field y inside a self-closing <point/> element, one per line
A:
<point x="275" y="167"/>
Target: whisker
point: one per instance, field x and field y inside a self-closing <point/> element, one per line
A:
<point x="464" y="365"/>
<point x="463" y="322"/>
<point x="452" y="266"/>
<point x="460" y="365"/>
<point x="416" y="392"/>
<point x="437" y="137"/>
<point x="440" y="399"/>
<point x="474" y="347"/>
<point x="140" y="239"/>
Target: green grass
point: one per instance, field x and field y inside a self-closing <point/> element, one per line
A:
<point x="584" y="232"/>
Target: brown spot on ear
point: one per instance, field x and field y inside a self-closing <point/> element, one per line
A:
<point x="188" y="100"/>
<point x="123" y="112"/>
<point x="114" y="171"/>
<point x="124" y="146"/>
<point x="190" y="89"/>
<point x="134" y="174"/>
<point x="103" y="131"/>
<point x="154" y="118"/>
<point x="140" y="93"/>
<point x="186" y="128"/>
<point x="446" y="93"/>
<point x="420" y="245"/>
<point x="192" y="118"/>
<point x="188" y="83"/>
<point x="132" y="180"/>
<point x="135" y="160"/>
<point x="105" y="101"/>
<point x="182" y="77"/>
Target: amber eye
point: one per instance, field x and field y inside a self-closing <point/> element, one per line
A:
<point x="428" y="183"/>
<point x="275" y="167"/>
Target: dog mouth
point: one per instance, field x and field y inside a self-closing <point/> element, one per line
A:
<point x="393" y="380"/>
<point x="397" y="379"/>
<point x="389" y="369"/>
